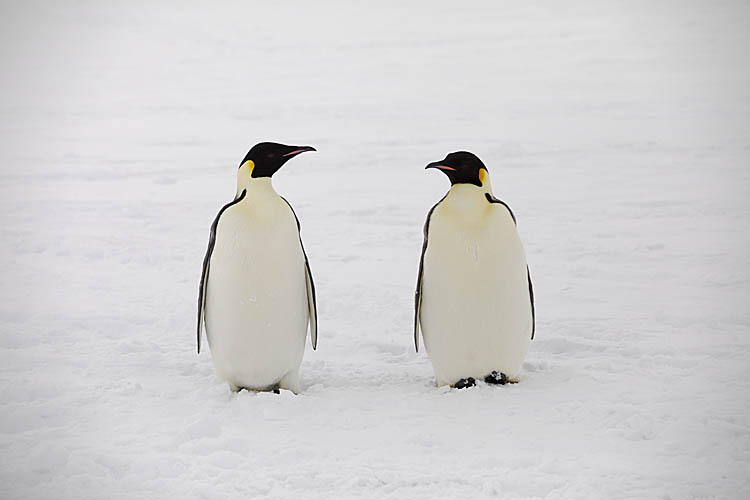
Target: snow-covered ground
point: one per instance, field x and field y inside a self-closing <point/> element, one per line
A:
<point x="619" y="132"/>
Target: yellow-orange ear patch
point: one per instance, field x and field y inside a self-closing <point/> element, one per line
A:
<point x="482" y="176"/>
<point x="250" y="166"/>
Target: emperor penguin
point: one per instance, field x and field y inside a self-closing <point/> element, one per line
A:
<point x="256" y="294"/>
<point x="474" y="299"/>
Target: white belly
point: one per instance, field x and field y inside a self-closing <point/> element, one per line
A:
<point x="475" y="312"/>
<point x="256" y="300"/>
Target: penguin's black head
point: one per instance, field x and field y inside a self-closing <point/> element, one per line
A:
<point x="267" y="157"/>
<point x="462" y="167"/>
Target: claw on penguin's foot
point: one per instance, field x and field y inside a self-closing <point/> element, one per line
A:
<point x="465" y="382"/>
<point x="496" y="378"/>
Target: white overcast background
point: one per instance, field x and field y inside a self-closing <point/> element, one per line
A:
<point x="618" y="131"/>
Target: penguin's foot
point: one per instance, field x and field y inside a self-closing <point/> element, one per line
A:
<point x="499" y="378"/>
<point x="496" y="378"/>
<point x="236" y="388"/>
<point x="465" y="382"/>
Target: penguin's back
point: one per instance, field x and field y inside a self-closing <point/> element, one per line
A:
<point x="475" y="312"/>
<point x="256" y="298"/>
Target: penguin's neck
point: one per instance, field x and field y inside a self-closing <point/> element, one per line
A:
<point x="255" y="187"/>
<point x="469" y="196"/>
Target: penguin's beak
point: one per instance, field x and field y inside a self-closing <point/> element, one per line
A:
<point x="295" y="150"/>
<point x="439" y="165"/>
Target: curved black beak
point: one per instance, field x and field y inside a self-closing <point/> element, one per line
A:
<point x="295" y="150"/>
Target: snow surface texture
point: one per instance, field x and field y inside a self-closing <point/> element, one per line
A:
<point x="618" y="131"/>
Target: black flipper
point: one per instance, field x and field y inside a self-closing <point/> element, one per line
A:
<point x="531" y="296"/>
<point x="207" y="264"/>
<point x="418" y="293"/>
<point x="312" y="303"/>
<point x="492" y="199"/>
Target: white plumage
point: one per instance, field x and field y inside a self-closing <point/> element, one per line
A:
<point x="475" y="308"/>
<point x="257" y="304"/>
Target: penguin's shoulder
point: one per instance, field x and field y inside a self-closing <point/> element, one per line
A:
<point x="232" y="213"/>
<point x="434" y="215"/>
<point x="269" y="210"/>
<point x="496" y="202"/>
<point x="229" y="211"/>
<point x="288" y="211"/>
<point x="462" y="207"/>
